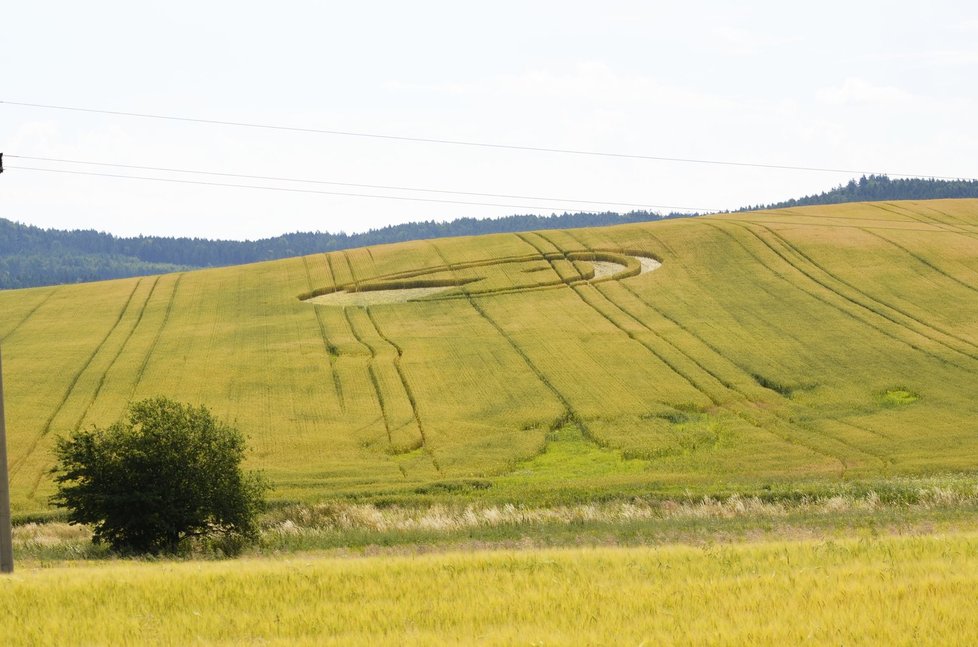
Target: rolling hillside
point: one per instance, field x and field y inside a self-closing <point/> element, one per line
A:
<point x="789" y="346"/>
<point x="34" y="257"/>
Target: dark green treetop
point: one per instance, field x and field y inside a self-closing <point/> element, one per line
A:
<point x="165" y="474"/>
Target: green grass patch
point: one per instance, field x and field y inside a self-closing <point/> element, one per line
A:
<point x="898" y="397"/>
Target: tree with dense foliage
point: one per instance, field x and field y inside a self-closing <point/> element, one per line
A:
<point x="165" y="474"/>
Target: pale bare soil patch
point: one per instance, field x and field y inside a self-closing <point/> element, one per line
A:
<point x="375" y="297"/>
<point x="648" y="264"/>
<point x="606" y="268"/>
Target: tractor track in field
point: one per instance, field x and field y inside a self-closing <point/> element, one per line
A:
<point x="569" y="414"/>
<point x="848" y="423"/>
<point x="105" y="373"/>
<point x="601" y="291"/>
<point x="353" y="275"/>
<point x="726" y="383"/>
<point x="305" y="264"/>
<point x="783" y="437"/>
<point x="18" y="463"/>
<point x="407" y="388"/>
<point x="932" y="223"/>
<point x="716" y="351"/>
<point x="745" y="400"/>
<point x="689" y="380"/>
<point x="823" y="219"/>
<point x="823" y="299"/>
<point x="921" y="260"/>
<point x="792" y="430"/>
<point x="873" y="300"/>
<point x="454" y="267"/>
<point x="862" y="306"/>
<point x="661" y="243"/>
<point x="118" y="354"/>
<point x="30" y="314"/>
<point x="421" y="442"/>
<point x="955" y="224"/>
<point x="743" y="406"/>
<point x="963" y="223"/>
<point x="331" y="353"/>
<point x="868" y="308"/>
<point x="372" y="374"/>
<point x="750" y="375"/>
<point x="332" y="269"/>
<point x="156" y="339"/>
<point x="328" y="346"/>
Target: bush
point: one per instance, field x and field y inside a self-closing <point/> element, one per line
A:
<point x="166" y="474"/>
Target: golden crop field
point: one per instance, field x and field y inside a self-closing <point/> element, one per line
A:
<point x="802" y="345"/>
<point x="892" y="591"/>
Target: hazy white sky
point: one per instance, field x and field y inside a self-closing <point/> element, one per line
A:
<point x="878" y="86"/>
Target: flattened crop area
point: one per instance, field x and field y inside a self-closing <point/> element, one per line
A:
<point x="806" y="344"/>
<point x="477" y="278"/>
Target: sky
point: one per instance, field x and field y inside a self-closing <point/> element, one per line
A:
<point x="865" y="86"/>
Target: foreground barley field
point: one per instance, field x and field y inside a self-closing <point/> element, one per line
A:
<point x="894" y="591"/>
<point x="809" y="345"/>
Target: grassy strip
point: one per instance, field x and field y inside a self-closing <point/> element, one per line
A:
<point x="908" y="507"/>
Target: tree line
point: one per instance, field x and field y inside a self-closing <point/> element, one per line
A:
<point x="31" y="256"/>
<point x="874" y="188"/>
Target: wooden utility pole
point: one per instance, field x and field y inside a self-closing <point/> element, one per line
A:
<point x="6" y="534"/>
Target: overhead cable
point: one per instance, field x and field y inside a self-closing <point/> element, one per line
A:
<point x="312" y="191"/>
<point x="640" y="205"/>
<point x="457" y="142"/>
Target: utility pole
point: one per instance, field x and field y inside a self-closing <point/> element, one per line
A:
<point x="6" y="534"/>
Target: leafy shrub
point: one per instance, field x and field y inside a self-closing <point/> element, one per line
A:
<point x="166" y="474"/>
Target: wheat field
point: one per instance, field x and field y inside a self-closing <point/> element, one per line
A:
<point x="892" y="591"/>
<point x="809" y="345"/>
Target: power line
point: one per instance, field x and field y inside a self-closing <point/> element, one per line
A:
<point x="294" y="190"/>
<point x="457" y="142"/>
<point x="351" y="184"/>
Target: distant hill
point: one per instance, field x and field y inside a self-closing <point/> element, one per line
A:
<point x="31" y="256"/>
<point x="874" y="188"/>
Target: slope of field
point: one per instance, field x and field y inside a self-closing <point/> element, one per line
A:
<point x="803" y="345"/>
<point x="892" y="591"/>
